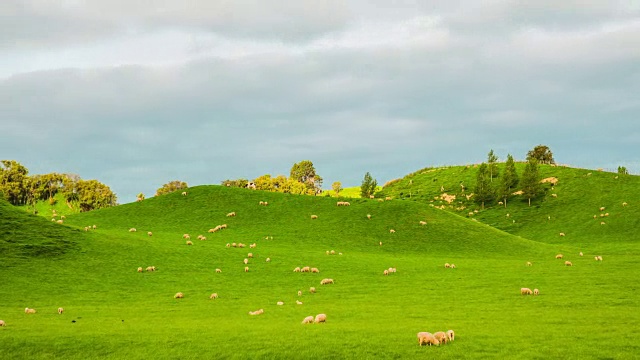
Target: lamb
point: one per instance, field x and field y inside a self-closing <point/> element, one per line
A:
<point x="453" y="266"/>
<point x="426" y="338"/>
<point x="536" y="292"/>
<point x="178" y="295"/>
<point x="233" y="213"/>
<point x="525" y="291"/>
<point x="140" y="269"/>
<point x="314" y="216"/>
<point x="308" y="320"/>
<point x="326" y="281"/>
<point x="213" y="296"/>
<point x="598" y="258"/>
<point x="94" y="227"/>
<point x="257" y="312"/>
<point x="568" y="263"/>
<point x="602" y="208"/>
<point x="320" y="318"/>
<point x="202" y="237"/>
<point x="312" y="290"/>
<point x="29" y="311"/>
<point x="132" y="230"/>
<point x="60" y="310"/>
<point x="602" y="223"/>
<point x="559" y="256"/>
<point x="228" y="245"/>
<point x="332" y="252"/>
<point x="218" y="270"/>
<point x="441" y="337"/>
<point x="297" y="269"/>
<point x="451" y="335"/>
<point x="189" y="242"/>
<point x="234" y="244"/>
<point x="2" y="323"/>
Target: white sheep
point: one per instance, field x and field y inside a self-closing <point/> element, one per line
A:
<point x="529" y="263"/>
<point x="426" y="338"/>
<point x="186" y="236"/>
<point x="624" y="203"/>
<point x="326" y="281"/>
<point x="451" y="335"/>
<point x="184" y="193"/>
<point x="268" y="260"/>
<point x="150" y="233"/>
<point x="441" y="337"/>
<point x="280" y="303"/>
<point x="257" y="312"/>
<point x="140" y="269"/>
<point x="246" y="269"/>
<point x="218" y="270"/>
<point x="447" y="265"/>
<point x="525" y="291"/>
<point x="246" y="261"/>
<point x="233" y="213"/>
<point x="132" y="230"/>
<point x="581" y="254"/>
<point x="568" y="263"/>
<point x="315" y="270"/>
<point x="2" y="323"/>
<point x="213" y="296"/>
<point x="385" y="272"/>
<point x="559" y="256"/>
<point x="562" y="234"/>
<point x="251" y="246"/>
<point x="308" y="320"/>
<point x="299" y="292"/>
<point x="369" y="216"/>
<point x="178" y="295"/>
<point x="392" y="231"/>
<point x="314" y="216"/>
<point x="312" y="290"/>
<point x="320" y="318"/>
<point x="250" y="255"/>
<point x="305" y="269"/>
<point x="298" y="302"/>
<point x="536" y="292"/>
<point x="602" y="208"/>
<point x="189" y="242"/>
<point x="297" y="269"/>
<point x="422" y="222"/>
<point x="29" y="311"/>
<point x="151" y="268"/>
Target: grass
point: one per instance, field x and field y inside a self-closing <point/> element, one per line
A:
<point x="120" y="313"/>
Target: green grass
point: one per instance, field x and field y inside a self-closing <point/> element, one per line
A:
<point x="122" y="314"/>
<point x="350" y="192"/>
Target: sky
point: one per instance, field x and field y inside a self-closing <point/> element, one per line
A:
<point x="137" y="93"/>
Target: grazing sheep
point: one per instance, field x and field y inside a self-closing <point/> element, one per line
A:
<point x="602" y="223"/>
<point x="559" y="256"/>
<point x="250" y="255"/>
<point x="257" y="312"/>
<point x="387" y="198"/>
<point x="554" y="195"/>
<point x="602" y="208"/>
<point x="201" y="237"/>
<point x="299" y="292"/>
<point x="305" y="269"/>
<point x="451" y="335"/>
<point x="332" y="252"/>
<point x="327" y="252"/>
<point x="60" y="221"/>
<point x="314" y="216"/>
<point x="326" y="281"/>
<point x="228" y="245"/>
<point x="213" y="296"/>
<point x="308" y="320"/>
<point x="529" y="263"/>
<point x="369" y="216"/>
<point x="525" y="291"/>
<point x="29" y="311"/>
<point x="218" y="270"/>
<point x="246" y="269"/>
<point x="184" y="193"/>
<point x="598" y="258"/>
<point x="261" y="203"/>
<point x="60" y="310"/>
<point x="422" y="222"/>
<point x="447" y="265"/>
<point x="298" y="302"/>
<point x="240" y="245"/>
<point x="562" y="234"/>
<point x="2" y="323"/>
<point x="186" y="236"/>
<point x="94" y="227"/>
<point x="150" y="233"/>
<point x="151" y="268"/>
<point x="223" y="226"/>
<point x="568" y="263"/>
<point x="178" y="295"/>
<point x="392" y="231"/>
<point x="624" y="203"/>
<point x="380" y="243"/>
<point x="189" y="242"/>
<point x="312" y="290"/>
<point x="251" y="246"/>
<point x="441" y="337"/>
<point x="500" y="203"/>
<point x="426" y="338"/>
<point x="140" y="269"/>
<point x="536" y="292"/>
<point x="606" y="214"/>
<point x="320" y="318"/>
<point x="132" y="230"/>
<point x="581" y="254"/>
<point x="268" y="260"/>
<point x="297" y="269"/>
<point x="246" y="261"/>
<point x="280" y="303"/>
<point x="385" y="272"/>
<point x="595" y="216"/>
<point x="231" y="214"/>
<point x="234" y="244"/>
<point x="315" y="270"/>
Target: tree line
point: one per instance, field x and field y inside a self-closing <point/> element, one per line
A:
<point x="18" y="188"/>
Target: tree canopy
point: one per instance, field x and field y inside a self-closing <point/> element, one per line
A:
<point x="542" y="154"/>
<point x="305" y="173"/>
<point x="369" y="185"/>
<point x="530" y="182"/>
<point x="171" y="187"/>
<point x="484" y="192"/>
<point x="509" y="180"/>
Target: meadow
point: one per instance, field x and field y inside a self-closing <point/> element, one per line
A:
<point x="586" y="311"/>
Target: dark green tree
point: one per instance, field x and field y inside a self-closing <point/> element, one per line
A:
<point x="530" y="182"/>
<point x="484" y="192"/>
<point x="171" y="187"/>
<point x="305" y="172"/>
<point x="542" y="154"/>
<point x="12" y="182"/>
<point x="492" y="161"/>
<point x="93" y="194"/>
<point x="369" y="185"/>
<point x="509" y="180"/>
<point x="623" y="170"/>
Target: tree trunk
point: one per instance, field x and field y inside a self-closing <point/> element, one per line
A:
<point x="505" y="202"/>
<point x="529" y="202"/>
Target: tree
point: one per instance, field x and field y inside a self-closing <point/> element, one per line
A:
<point x="509" y="180"/>
<point x="93" y="194"/>
<point x="240" y="183"/>
<point x="264" y="183"/>
<point x="623" y="170"/>
<point x="484" y="192"/>
<point x="530" y="182"/>
<point x="337" y="187"/>
<point x="12" y="181"/>
<point x="305" y="172"/>
<point x="542" y="154"/>
<point x="369" y="185"/>
<point x="171" y="187"/>
<point x="492" y="160"/>
<point x="140" y="197"/>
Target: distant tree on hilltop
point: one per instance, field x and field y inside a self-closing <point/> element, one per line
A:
<point x="305" y="172"/>
<point x="492" y="162"/>
<point x="542" y="154"/>
<point x="171" y="187"/>
<point x="623" y="170"/>
<point x="368" y="186"/>
<point x="509" y="180"/>
<point x="530" y="182"/>
<point x="337" y="187"/>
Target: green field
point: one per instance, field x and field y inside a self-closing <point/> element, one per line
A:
<point x="587" y="311"/>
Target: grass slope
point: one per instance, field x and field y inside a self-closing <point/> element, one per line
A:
<point x="114" y="312"/>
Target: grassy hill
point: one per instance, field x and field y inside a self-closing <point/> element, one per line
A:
<point x="112" y="311"/>
<point x="569" y="207"/>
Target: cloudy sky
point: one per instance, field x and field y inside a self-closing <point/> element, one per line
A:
<point x="136" y="93"/>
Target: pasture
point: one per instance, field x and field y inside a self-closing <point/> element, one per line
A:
<point x="588" y="310"/>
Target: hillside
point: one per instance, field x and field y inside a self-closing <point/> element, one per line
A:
<point x="579" y="195"/>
